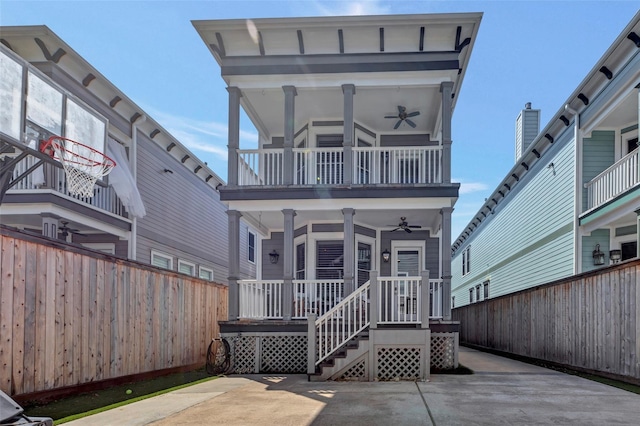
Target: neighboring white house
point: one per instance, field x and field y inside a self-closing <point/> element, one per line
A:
<point x="169" y="214"/>
<point x="571" y="202"/>
<point x="350" y="187"/>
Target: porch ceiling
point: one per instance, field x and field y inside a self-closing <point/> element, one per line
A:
<point x="625" y="113"/>
<point x="371" y="105"/>
<point x="385" y="220"/>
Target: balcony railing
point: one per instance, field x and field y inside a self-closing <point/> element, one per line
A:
<point x="104" y="197"/>
<point x="399" y="298"/>
<point x="325" y="166"/>
<point x="616" y="180"/>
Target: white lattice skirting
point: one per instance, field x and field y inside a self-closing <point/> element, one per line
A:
<point x="268" y="353"/>
<point x="398" y="363"/>
<point x="444" y="351"/>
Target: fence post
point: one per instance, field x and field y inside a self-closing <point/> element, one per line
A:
<point x="311" y="343"/>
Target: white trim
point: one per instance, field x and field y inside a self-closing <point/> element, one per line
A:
<point x="202" y="269"/>
<point x="191" y="265"/>
<point x="155" y="253"/>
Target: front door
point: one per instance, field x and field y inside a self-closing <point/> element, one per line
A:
<point x="407" y="262"/>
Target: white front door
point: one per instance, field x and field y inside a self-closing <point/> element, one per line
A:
<point x="407" y="262"/>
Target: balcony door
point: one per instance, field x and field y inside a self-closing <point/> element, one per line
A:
<point x="329" y="164"/>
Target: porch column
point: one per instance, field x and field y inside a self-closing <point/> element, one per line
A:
<point x="348" y="251"/>
<point x="446" y="262"/>
<point x="234" y="136"/>
<point x="446" y="88"/>
<point x="425" y="293"/>
<point x="50" y="226"/>
<point x="234" y="263"/>
<point x="288" y="265"/>
<point x="289" y="131"/>
<point x="348" y="91"/>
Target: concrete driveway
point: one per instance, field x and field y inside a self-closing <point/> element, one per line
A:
<point x="501" y="392"/>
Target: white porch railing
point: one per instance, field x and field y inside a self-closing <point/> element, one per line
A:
<point x="260" y="299"/>
<point x="260" y="167"/>
<point x="318" y="166"/>
<point x="325" y="166"/>
<point x="397" y="165"/>
<point x="341" y="323"/>
<point x="316" y="296"/>
<point x="104" y="197"/>
<point x="620" y="177"/>
<point x="399" y="300"/>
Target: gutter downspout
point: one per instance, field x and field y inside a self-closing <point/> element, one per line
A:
<point x="577" y="198"/>
<point x="133" y="162"/>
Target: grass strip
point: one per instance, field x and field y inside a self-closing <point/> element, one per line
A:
<point x="128" y="401"/>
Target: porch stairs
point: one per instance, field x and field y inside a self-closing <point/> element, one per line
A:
<point x="339" y="365"/>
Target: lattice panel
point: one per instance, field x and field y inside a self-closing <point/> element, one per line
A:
<point x="358" y="371"/>
<point x="284" y="354"/>
<point x="443" y="352"/>
<point x="244" y="354"/>
<point x="398" y="363"/>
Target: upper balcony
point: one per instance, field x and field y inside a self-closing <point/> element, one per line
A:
<point x="327" y="166"/>
<point x="621" y="177"/>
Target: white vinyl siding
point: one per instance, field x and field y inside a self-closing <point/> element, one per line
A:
<point x="161" y="260"/>
<point x="186" y="267"/>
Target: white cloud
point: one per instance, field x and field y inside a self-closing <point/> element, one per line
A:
<point x="361" y="7"/>
<point x="471" y="187"/>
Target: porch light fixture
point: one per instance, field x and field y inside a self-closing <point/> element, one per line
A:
<point x="386" y="256"/>
<point x="274" y="256"/>
<point x="598" y="256"/>
<point x="615" y="255"/>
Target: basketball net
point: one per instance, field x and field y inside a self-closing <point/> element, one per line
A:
<point x="83" y="165"/>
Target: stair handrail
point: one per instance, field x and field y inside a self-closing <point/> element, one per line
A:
<point x="342" y="323"/>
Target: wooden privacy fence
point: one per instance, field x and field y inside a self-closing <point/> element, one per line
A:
<point x="70" y="316"/>
<point x="588" y="321"/>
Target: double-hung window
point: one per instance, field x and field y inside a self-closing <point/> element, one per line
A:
<point x="466" y="261"/>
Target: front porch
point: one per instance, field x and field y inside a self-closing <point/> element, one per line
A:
<point x="387" y="331"/>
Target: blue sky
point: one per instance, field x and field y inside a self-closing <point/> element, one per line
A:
<point x="526" y="51"/>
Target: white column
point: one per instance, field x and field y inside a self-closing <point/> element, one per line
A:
<point x="446" y="262"/>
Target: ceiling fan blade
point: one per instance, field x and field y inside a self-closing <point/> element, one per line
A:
<point x="390" y="116"/>
<point x="415" y="226"/>
<point x="401" y="109"/>
<point x="410" y="123"/>
<point x="408" y="230"/>
<point x="397" y="124"/>
<point x="413" y="114"/>
<point x="394" y="229"/>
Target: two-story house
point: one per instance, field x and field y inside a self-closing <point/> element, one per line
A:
<point x="350" y="188"/>
<point x="166" y="209"/>
<point x="571" y="202"/>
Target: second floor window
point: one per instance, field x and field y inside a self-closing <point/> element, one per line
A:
<point x="466" y="261"/>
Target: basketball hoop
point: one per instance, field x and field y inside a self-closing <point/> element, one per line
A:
<point x="82" y="164"/>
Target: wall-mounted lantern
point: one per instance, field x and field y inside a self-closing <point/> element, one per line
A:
<point x="598" y="256"/>
<point x="274" y="256"/>
<point x="386" y="256"/>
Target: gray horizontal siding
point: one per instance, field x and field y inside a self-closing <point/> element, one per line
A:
<point x="269" y="270"/>
<point x="184" y="215"/>
<point x="599" y="236"/>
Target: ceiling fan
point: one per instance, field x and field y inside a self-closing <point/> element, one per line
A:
<point x="64" y="230"/>
<point x="405" y="226"/>
<point x="403" y="116"/>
